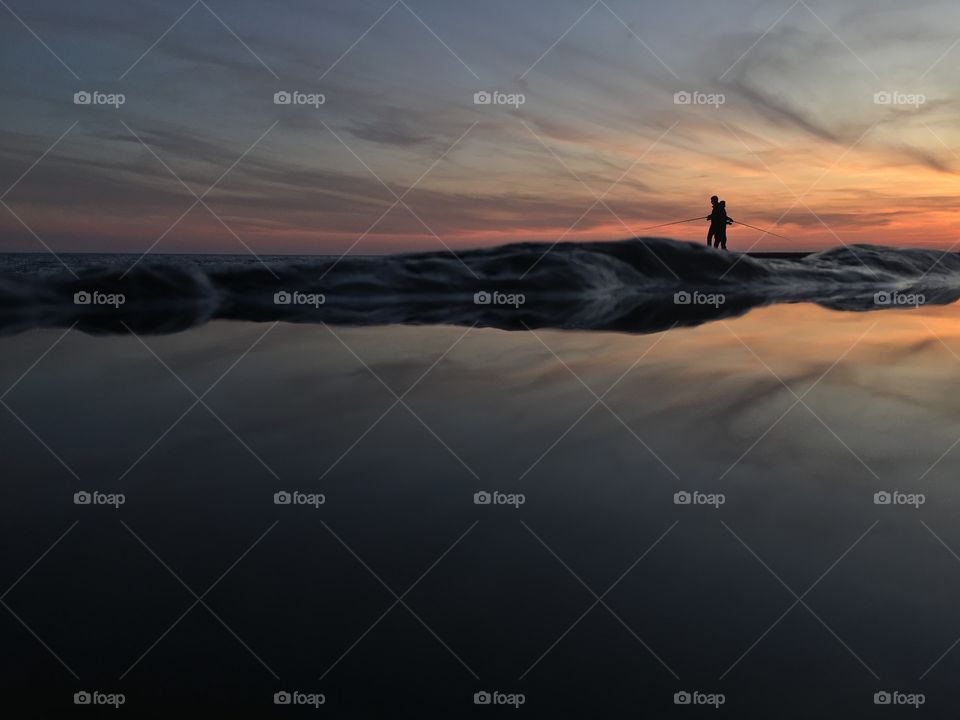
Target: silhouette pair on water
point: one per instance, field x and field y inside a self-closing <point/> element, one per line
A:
<point x="717" y="235"/>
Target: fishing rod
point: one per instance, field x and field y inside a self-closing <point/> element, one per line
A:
<point x="753" y="227"/>
<point x="736" y="222"/>
<point x="678" y="222"/>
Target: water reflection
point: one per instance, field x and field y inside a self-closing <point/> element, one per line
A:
<point x="796" y="414"/>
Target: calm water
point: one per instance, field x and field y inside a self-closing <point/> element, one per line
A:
<point x="599" y="596"/>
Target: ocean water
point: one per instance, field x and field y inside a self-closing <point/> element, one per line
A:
<point x="639" y="286"/>
<point x="583" y="589"/>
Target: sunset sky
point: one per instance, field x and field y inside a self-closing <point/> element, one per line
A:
<point x="799" y="140"/>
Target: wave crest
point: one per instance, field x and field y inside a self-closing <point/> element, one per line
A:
<point x="628" y="286"/>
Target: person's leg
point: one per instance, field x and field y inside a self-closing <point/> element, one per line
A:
<point x="710" y="237"/>
<point x="722" y="238"/>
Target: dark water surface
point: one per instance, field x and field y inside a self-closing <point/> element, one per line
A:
<point x="399" y="596"/>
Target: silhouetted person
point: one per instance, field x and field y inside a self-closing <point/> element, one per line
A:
<point x="721" y="236"/>
<point x="718" y="223"/>
<point x="714" y="204"/>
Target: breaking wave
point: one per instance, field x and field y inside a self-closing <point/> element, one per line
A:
<point x="639" y="285"/>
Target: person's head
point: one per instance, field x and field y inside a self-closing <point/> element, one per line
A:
<point x="713" y="199"/>
<point x="723" y="203"/>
